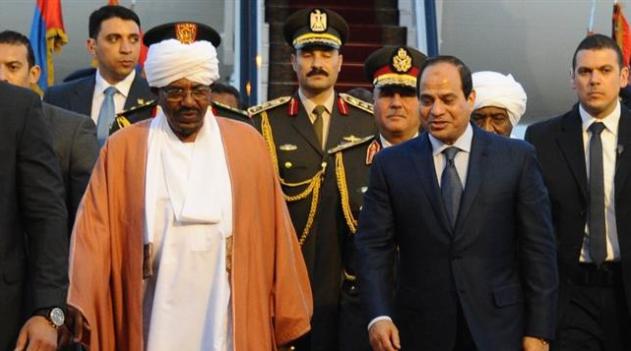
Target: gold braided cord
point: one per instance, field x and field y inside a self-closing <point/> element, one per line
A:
<point x="313" y="184"/>
<point x="266" y="128"/>
<point x="342" y="185"/>
<point x="312" y="211"/>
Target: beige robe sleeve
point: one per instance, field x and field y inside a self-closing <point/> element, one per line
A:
<point x="90" y="267"/>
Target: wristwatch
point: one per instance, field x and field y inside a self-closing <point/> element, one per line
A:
<point x="55" y="316"/>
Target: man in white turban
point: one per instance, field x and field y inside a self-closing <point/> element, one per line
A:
<point x="500" y="102"/>
<point x="183" y="240"/>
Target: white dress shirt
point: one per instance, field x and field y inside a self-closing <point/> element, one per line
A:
<point x="101" y="84"/>
<point x="609" y="137"/>
<point x="461" y="162"/>
<point x="309" y="105"/>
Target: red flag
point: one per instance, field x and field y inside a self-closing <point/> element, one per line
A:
<point x="621" y="33"/>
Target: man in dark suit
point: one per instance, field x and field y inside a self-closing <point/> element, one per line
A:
<point x="33" y="240"/>
<point x="74" y="135"/>
<point x="586" y="167"/>
<point x="393" y="71"/>
<point x="299" y="130"/>
<point x="115" y="44"/>
<point x="470" y="214"/>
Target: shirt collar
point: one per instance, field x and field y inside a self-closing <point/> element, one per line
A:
<point x="385" y="143"/>
<point x="463" y="142"/>
<point x="610" y="121"/>
<point x="310" y="105"/>
<point x="123" y="86"/>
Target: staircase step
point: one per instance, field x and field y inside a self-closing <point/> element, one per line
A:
<point x="368" y="33"/>
<point x="333" y="3"/>
<point x="352" y="15"/>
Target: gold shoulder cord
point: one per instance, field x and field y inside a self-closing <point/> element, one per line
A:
<point x="313" y="184"/>
<point x="342" y="185"/>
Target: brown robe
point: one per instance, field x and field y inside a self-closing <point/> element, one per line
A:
<point x="271" y="297"/>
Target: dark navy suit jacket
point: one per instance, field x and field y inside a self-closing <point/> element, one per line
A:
<point x="77" y="95"/>
<point x="498" y="263"/>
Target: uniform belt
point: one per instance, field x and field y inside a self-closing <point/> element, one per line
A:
<point x="607" y="274"/>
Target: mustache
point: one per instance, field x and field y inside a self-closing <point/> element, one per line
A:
<point x="186" y="110"/>
<point x="315" y="71"/>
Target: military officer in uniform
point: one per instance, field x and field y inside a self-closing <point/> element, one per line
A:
<point x="298" y="130"/>
<point x="393" y="72"/>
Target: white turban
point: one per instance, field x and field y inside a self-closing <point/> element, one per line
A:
<point x="496" y="89"/>
<point x="170" y="60"/>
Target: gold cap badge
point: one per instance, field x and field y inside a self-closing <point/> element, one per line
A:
<point x="402" y="61"/>
<point x="318" y="21"/>
<point x="186" y="33"/>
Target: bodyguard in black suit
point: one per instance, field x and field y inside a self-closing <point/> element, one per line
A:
<point x="116" y="86"/>
<point x="470" y="215"/>
<point x="74" y="135"/>
<point x="585" y="155"/>
<point x="299" y="130"/>
<point x="33" y="240"/>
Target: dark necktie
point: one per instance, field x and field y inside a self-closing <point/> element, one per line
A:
<point x="597" y="236"/>
<point x="106" y="115"/>
<point x="450" y="185"/>
<point x="318" y="123"/>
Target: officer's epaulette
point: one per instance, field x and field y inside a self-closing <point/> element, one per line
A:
<point x="123" y="119"/>
<point x="141" y="106"/>
<point x="361" y="104"/>
<point x="350" y="144"/>
<point x="219" y="105"/>
<point x="254" y="110"/>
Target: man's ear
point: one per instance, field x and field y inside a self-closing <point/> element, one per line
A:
<point x="294" y="62"/>
<point x="90" y="44"/>
<point x="34" y="73"/>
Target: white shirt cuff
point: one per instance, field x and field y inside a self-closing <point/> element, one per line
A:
<point x="377" y="319"/>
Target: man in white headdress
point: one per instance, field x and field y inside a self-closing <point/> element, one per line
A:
<point x="500" y="102"/>
<point x="183" y="240"/>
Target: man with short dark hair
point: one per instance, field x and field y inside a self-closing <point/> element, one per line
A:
<point x="74" y="135"/>
<point x="33" y="234"/>
<point x="469" y="214"/>
<point x="114" y="41"/>
<point x="299" y="131"/>
<point x="393" y="71"/>
<point x="587" y="169"/>
<point x="226" y="101"/>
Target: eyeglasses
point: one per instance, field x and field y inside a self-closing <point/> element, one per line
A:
<point x="175" y="94"/>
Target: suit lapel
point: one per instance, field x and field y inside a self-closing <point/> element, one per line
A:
<point x="475" y="174"/>
<point x="423" y="160"/>
<point x="623" y="152"/>
<point x="83" y="94"/>
<point x="303" y="125"/>
<point x="570" y="141"/>
<point x="139" y="90"/>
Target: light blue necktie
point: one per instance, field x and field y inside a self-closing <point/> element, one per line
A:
<point x="106" y="115"/>
<point x="450" y="185"/>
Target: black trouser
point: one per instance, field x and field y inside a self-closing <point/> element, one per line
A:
<point x="353" y="322"/>
<point x="597" y="317"/>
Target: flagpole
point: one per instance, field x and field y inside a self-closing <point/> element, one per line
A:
<point x="590" y="26"/>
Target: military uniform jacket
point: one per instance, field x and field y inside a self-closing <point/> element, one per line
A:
<point x="310" y="185"/>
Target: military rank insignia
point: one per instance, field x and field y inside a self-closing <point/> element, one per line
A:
<point x="402" y="61"/>
<point x="317" y="21"/>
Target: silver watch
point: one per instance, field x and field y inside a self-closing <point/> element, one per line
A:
<point x="56" y="317"/>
